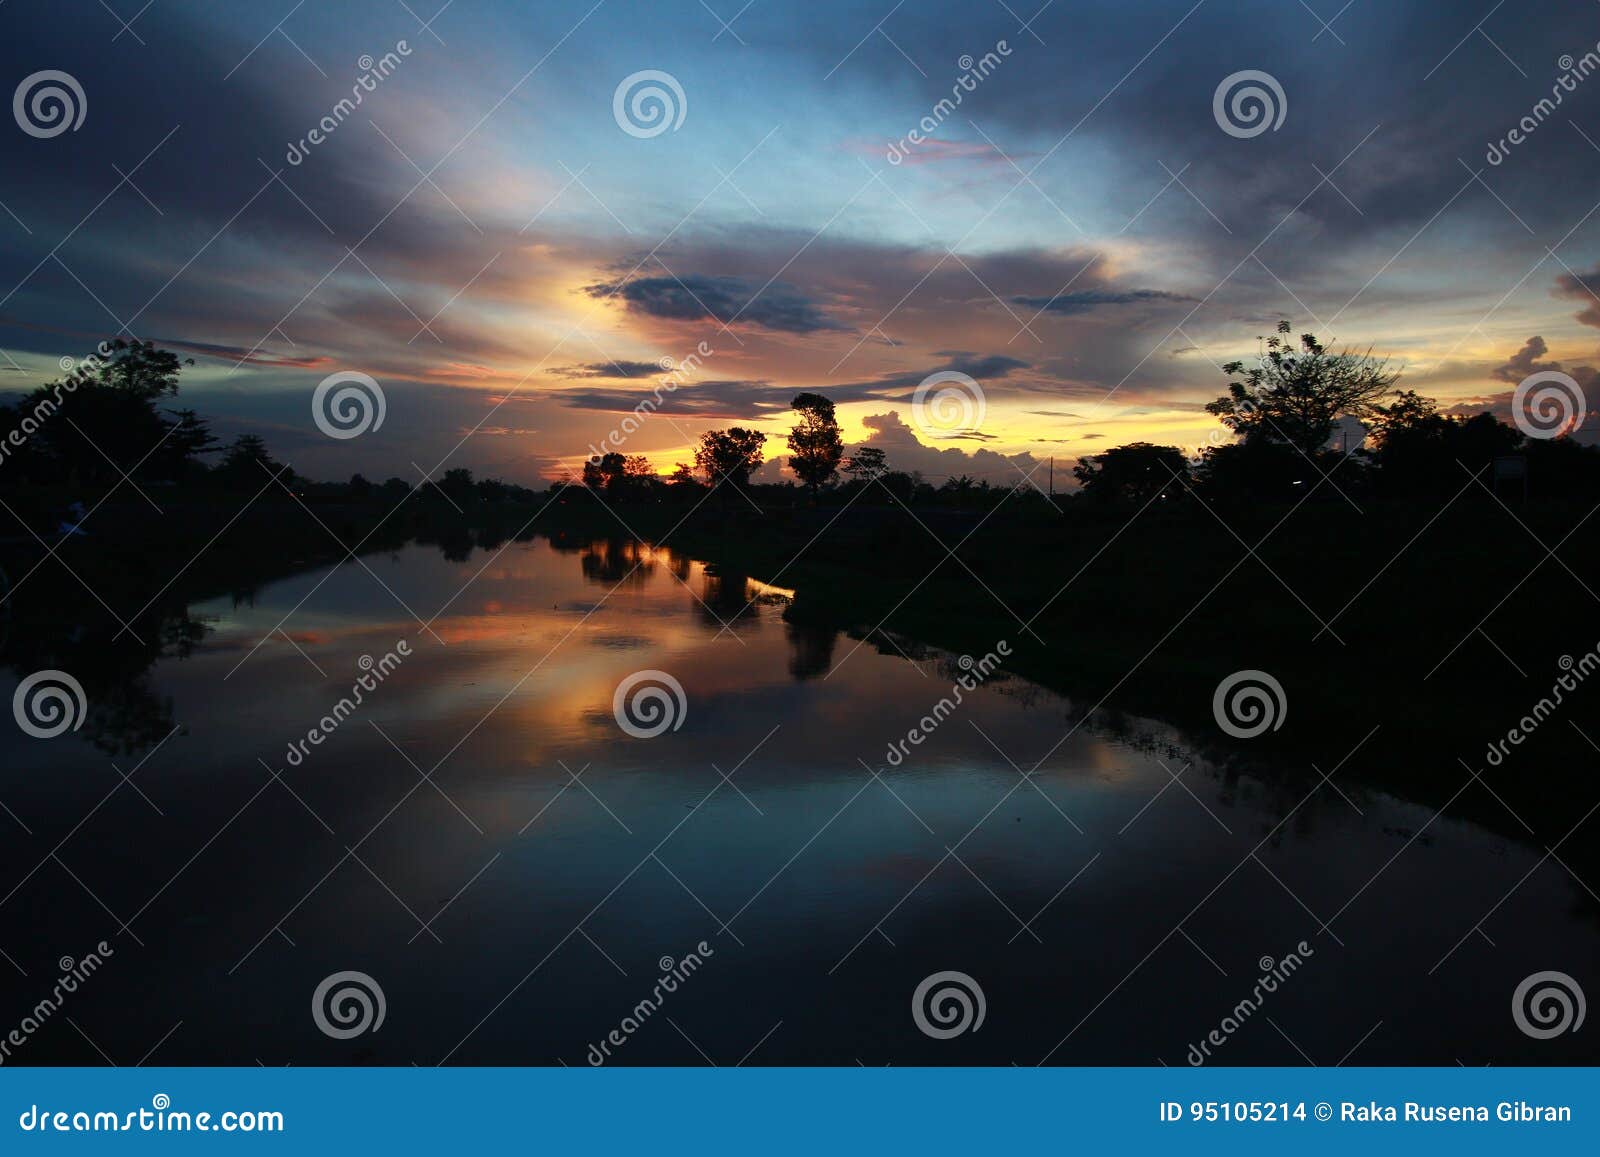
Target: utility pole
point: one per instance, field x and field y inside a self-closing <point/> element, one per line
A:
<point x="1052" y="478"/>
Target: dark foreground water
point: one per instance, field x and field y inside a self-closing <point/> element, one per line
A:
<point x="515" y="872"/>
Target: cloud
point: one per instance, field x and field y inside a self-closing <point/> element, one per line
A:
<point x="933" y="150"/>
<point x="619" y="369"/>
<point x="981" y="366"/>
<point x="749" y="400"/>
<point x="251" y="357"/>
<point x="715" y="400"/>
<point x="1519" y="366"/>
<point x="699" y="297"/>
<point x="303" y="250"/>
<point x="229" y="353"/>
<point x="1524" y="362"/>
<point x="463" y="370"/>
<point x="904" y="451"/>
<point x="1582" y="287"/>
<point x="1084" y="300"/>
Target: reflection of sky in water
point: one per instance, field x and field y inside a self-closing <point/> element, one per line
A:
<point x="826" y="894"/>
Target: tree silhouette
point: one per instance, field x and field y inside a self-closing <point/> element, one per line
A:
<point x="682" y="479"/>
<point x="1134" y="474"/>
<point x="1420" y="451"/>
<point x="815" y="443"/>
<point x="180" y="455"/>
<point x="1298" y="391"/>
<point x="103" y="420"/>
<point x="867" y="463"/>
<point x="729" y="455"/>
<point x="247" y="465"/>
<point x="457" y="485"/>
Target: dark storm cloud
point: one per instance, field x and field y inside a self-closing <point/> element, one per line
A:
<point x="179" y="211"/>
<point x="221" y="130"/>
<point x="1391" y="101"/>
<point x="729" y="300"/>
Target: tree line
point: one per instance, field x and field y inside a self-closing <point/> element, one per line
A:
<point x="113" y="417"/>
<point x="1284" y="414"/>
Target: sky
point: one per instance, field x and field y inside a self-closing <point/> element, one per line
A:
<point x="513" y="248"/>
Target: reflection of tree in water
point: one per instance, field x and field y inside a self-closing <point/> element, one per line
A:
<point x="1274" y="789"/>
<point x="725" y="599"/>
<point x="455" y="543"/>
<point x="1279" y="788"/>
<point x="618" y="561"/>
<point x="55" y="627"/>
<point x="564" y="542"/>
<point x="811" y="649"/>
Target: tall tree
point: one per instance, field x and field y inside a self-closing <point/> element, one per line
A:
<point x="729" y="455"/>
<point x="136" y="367"/>
<point x="109" y="420"/>
<point x="1297" y="391"/>
<point x="815" y="443"/>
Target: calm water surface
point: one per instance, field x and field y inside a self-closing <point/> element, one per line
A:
<point x="484" y="840"/>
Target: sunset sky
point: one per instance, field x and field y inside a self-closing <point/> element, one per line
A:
<point x="1080" y="235"/>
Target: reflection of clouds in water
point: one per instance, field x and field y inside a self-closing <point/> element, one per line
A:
<point x="519" y="696"/>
